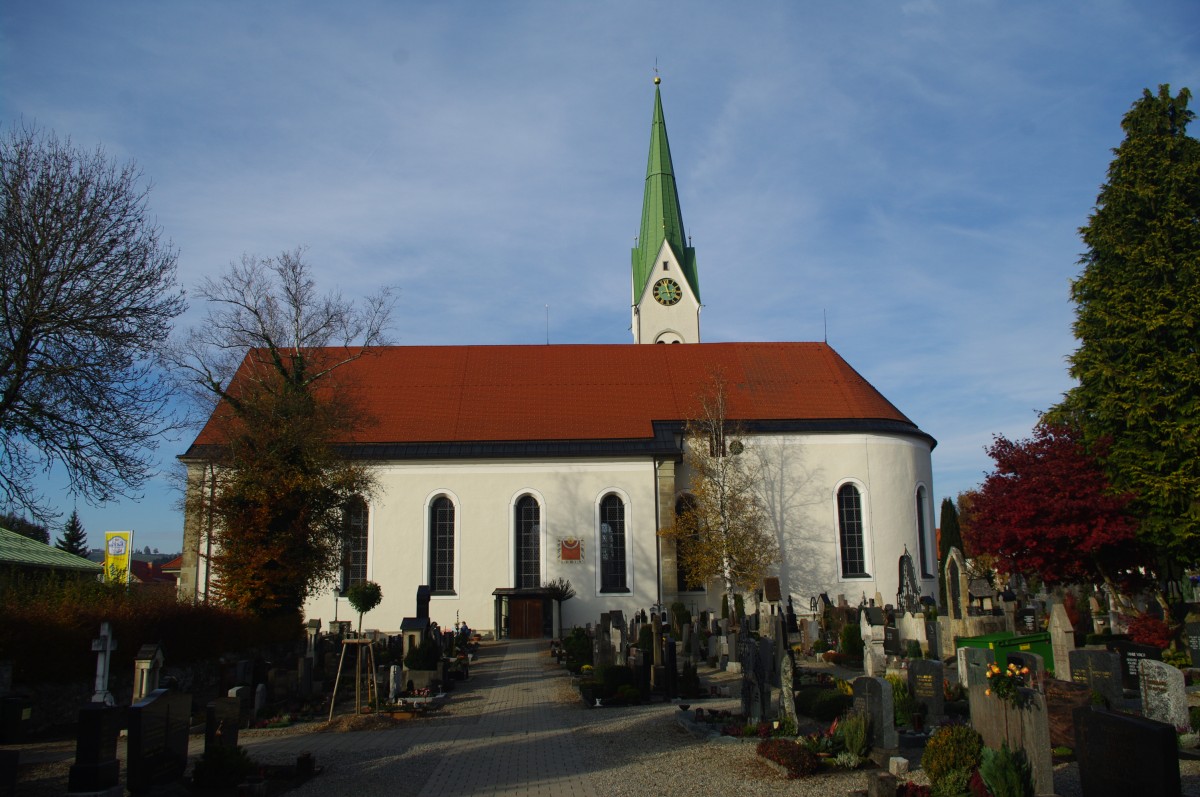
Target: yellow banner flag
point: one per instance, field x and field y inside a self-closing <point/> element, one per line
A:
<point x="118" y="550"/>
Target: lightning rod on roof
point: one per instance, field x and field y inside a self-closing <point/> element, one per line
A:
<point x="825" y="322"/>
<point x="547" y="325"/>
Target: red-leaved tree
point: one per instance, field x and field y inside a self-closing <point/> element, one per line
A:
<point x="1049" y="510"/>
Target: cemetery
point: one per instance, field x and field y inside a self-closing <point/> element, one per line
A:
<point x="889" y="694"/>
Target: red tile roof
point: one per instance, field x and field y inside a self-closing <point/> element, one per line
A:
<point x="418" y="394"/>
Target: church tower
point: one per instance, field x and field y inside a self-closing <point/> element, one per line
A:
<point x="666" y="289"/>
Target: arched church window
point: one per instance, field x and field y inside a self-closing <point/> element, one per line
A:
<point x="923" y="535"/>
<point x="850" y="532"/>
<point x="684" y="579"/>
<point x="441" y="545"/>
<point x="354" y="542"/>
<point x="612" y="544"/>
<point x="528" y="526"/>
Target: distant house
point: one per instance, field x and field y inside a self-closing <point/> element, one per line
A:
<point x="151" y="573"/>
<point x="23" y="558"/>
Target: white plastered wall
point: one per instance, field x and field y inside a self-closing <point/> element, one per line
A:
<point x="800" y="475"/>
<point x="484" y="493"/>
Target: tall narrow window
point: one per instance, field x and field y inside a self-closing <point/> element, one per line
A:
<point x="528" y="525"/>
<point x="850" y="532"/>
<point x="686" y="582"/>
<point x="922" y="536"/>
<point x="441" y="545"/>
<point x="354" y="542"/>
<point x="612" y="545"/>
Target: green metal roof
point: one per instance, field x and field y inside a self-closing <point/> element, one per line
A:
<point x="661" y="217"/>
<point x="24" y="552"/>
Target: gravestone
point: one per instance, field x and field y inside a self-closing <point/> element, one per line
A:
<point x="931" y="639"/>
<point x="1026" y="728"/>
<point x="157" y="752"/>
<point x="1193" y="636"/>
<point x="1027" y="621"/>
<point x="1106" y="744"/>
<point x="926" y="684"/>
<point x="1132" y="655"/>
<point x="956" y="592"/>
<point x="260" y="700"/>
<point x="96" y="769"/>
<point x="1099" y="670"/>
<point x="1062" y="698"/>
<point x="147" y="669"/>
<point x="424" y="595"/>
<point x="873" y="697"/>
<point x="312" y="630"/>
<point x="1062" y="640"/>
<point x="1036" y="664"/>
<point x="787" y="693"/>
<point x="973" y="666"/>
<point x="221" y="719"/>
<point x="1164" y="694"/>
<point x="103" y="647"/>
<point x="891" y="641"/>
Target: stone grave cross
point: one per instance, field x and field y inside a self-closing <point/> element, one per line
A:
<point x="104" y="646"/>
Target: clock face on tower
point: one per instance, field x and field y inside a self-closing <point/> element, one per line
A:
<point x="667" y="291"/>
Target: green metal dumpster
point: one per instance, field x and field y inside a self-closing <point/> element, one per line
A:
<point x="1005" y="642"/>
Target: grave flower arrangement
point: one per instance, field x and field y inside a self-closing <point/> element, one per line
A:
<point x="1006" y="684"/>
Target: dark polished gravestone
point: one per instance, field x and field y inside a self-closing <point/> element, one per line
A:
<point x="1131" y="660"/>
<point x="1193" y="636"/>
<point x="926" y="684"/>
<point x="158" y="740"/>
<point x="1099" y="670"/>
<point x="96" y="769"/>
<point x="1106" y="745"/>
<point x="221" y="720"/>
<point x="891" y="641"/>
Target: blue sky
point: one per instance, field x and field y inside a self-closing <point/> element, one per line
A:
<point x="909" y="176"/>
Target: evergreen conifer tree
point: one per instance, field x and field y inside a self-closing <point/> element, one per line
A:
<point x="1138" y="325"/>
<point x="74" y="538"/>
<point x="950" y="536"/>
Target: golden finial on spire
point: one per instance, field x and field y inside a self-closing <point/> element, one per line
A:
<point x="657" y="79"/>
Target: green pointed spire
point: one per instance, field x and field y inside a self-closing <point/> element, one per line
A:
<point x="661" y="216"/>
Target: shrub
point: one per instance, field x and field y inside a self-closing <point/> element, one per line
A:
<point x="806" y="698"/>
<point x="739" y="606"/>
<point x="913" y="649"/>
<point x="951" y="748"/>
<point x="628" y="693"/>
<point x="820" y="646"/>
<point x="830" y="704"/>
<point x="798" y="761"/>
<point x="953" y="783"/>
<point x="1194" y="717"/>
<point x="854" y="732"/>
<point x="578" y="646"/>
<point x="222" y="767"/>
<point x="1006" y="772"/>
<point x="645" y="642"/>
<point x="1147" y="630"/>
<point x="910" y="789"/>
<point x="680" y="616"/>
<point x="851" y="641"/>
<point x="902" y="701"/>
<point x="614" y="676"/>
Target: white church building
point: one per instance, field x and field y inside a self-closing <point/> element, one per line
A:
<point x="501" y="468"/>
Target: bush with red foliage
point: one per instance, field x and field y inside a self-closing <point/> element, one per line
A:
<point x="910" y="789"/>
<point x="797" y="760"/>
<point x="1147" y="630"/>
<point x="1049" y="509"/>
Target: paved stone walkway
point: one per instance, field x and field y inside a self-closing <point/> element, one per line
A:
<point x="519" y="742"/>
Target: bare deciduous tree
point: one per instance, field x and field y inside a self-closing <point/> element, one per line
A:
<point x="87" y="298"/>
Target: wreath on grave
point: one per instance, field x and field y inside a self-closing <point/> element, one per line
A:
<point x="1006" y="684"/>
